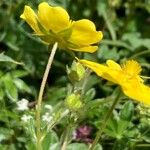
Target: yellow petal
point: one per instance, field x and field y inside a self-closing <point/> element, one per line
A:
<point x="103" y="71"/>
<point x="30" y="17"/>
<point x="137" y="91"/>
<point x="53" y="18"/>
<point x="84" y="33"/>
<point x="89" y="49"/>
<point x="112" y="64"/>
<point x="97" y="68"/>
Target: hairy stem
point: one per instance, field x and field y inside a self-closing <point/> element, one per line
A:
<point x="39" y="102"/>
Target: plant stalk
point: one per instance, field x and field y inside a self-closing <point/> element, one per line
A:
<point x="108" y="115"/>
<point x="39" y="101"/>
<point x="66" y="137"/>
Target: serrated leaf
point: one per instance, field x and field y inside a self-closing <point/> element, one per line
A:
<point x="112" y="128"/>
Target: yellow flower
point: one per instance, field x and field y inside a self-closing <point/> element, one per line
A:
<point x="126" y="75"/>
<point x="53" y="24"/>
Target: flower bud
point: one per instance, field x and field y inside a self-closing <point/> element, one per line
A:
<point x="73" y="102"/>
<point x="76" y="72"/>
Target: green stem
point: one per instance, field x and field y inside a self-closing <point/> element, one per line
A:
<point x="117" y="43"/>
<point x="67" y="134"/>
<point x="110" y="26"/>
<point x="39" y="102"/>
<point x="140" y="54"/>
<point x="142" y="145"/>
<point x="108" y="115"/>
<point x="65" y="142"/>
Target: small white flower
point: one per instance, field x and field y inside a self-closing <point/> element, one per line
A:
<point x="49" y="107"/>
<point x="74" y="135"/>
<point x="26" y="118"/>
<point x="22" y="105"/>
<point x="46" y="117"/>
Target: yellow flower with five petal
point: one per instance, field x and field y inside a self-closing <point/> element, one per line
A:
<point x="126" y="75"/>
<point x="53" y="24"/>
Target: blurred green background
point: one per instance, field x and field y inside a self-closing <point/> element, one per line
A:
<point x="126" y="28"/>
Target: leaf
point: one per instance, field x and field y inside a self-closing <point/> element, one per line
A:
<point x="77" y="146"/>
<point x="106" y="53"/>
<point x="117" y="126"/>
<point x="20" y="84"/>
<point x="56" y="93"/>
<point x="136" y="41"/>
<point x="127" y="112"/>
<point x="1" y="93"/>
<point x="10" y="88"/>
<point x="19" y="73"/>
<point x="122" y="126"/>
<point x="5" y="58"/>
<point x="90" y="94"/>
<point x="112" y="128"/>
<point x="50" y="140"/>
<point x="121" y="145"/>
<point x="30" y="145"/>
<point x="98" y="147"/>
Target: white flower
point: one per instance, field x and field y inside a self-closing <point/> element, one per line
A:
<point x="26" y="118"/>
<point x="49" y="107"/>
<point x="46" y="117"/>
<point x="22" y="105"/>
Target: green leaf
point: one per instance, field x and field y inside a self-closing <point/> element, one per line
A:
<point x="30" y="146"/>
<point x="50" y="140"/>
<point x="19" y="73"/>
<point x="127" y="112"/>
<point x="117" y="126"/>
<point x="5" y="58"/>
<point x="56" y="93"/>
<point x="21" y="85"/>
<point x="10" y="88"/>
<point x="77" y="146"/>
<point x="1" y="93"/>
<point x="122" y="126"/>
<point x="106" y="53"/>
<point x="112" y="128"/>
<point x="121" y="145"/>
<point x="90" y="94"/>
<point x="98" y="147"/>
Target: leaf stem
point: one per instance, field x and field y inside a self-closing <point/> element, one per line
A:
<point x="108" y="115"/>
<point x="140" y="54"/>
<point x="39" y="102"/>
